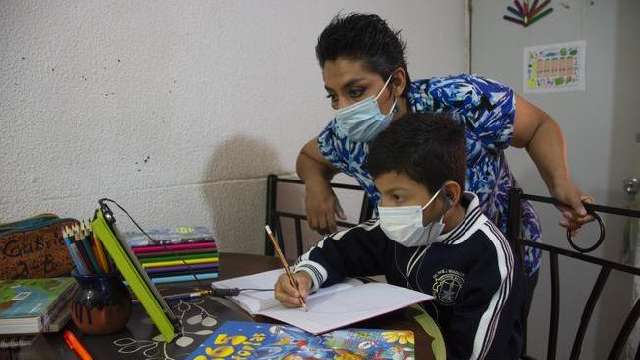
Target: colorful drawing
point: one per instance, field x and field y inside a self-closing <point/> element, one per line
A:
<point x="249" y="340"/>
<point x="555" y="67"/>
<point x="526" y="14"/>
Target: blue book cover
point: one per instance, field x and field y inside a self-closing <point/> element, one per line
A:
<point x="163" y="236"/>
<point x="183" y="278"/>
<point x="31" y="297"/>
<point x="250" y="340"/>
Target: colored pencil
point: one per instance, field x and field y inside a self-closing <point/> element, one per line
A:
<point x="73" y="252"/>
<point x="514" y="20"/>
<point x="75" y="240"/>
<point x="86" y="242"/>
<point x="536" y="9"/>
<point x="514" y="11"/>
<point x="541" y="15"/>
<point x="100" y="254"/>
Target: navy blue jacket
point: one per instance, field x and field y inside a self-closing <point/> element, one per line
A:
<point x="470" y="271"/>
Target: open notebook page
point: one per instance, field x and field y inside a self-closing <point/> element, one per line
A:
<point x="330" y="311"/>
<point x="328" y="308"/>
<point x="256" y="301"/>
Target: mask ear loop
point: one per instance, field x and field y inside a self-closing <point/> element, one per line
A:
<point x="384" y="87"/>
<point x="395" y="99"/>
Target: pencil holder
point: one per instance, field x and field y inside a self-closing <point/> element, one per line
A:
<point x="103" y="304"/>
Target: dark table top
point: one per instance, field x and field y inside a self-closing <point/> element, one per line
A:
<point x="135" y="341"/>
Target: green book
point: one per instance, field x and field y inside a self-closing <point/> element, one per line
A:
<point x="177" y="257"/>
<point x="30" y="305"/>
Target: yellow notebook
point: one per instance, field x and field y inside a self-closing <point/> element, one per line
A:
<point x="128" y="265"/>
<point x="180" y="262"/>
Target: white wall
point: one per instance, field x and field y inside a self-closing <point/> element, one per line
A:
<point x="178" y="110"/>
<point x="599" y="149"/>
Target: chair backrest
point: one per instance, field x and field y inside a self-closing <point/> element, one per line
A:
<point x="516" y="196"/>
<point x="274" y="215"/>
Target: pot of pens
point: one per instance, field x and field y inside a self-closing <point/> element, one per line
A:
<point x="103" y="303"/>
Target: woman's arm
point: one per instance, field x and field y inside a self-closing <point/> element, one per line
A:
<point x="541" y="136"/>
<point x="320" y="201"/>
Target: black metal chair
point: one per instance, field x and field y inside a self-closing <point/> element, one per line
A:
<point x="606" y="266"/>
<point x="273" y="215"/>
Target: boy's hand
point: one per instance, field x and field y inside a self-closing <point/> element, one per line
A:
<point x="287" y="294"/>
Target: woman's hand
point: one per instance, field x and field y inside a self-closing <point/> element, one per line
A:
<point x="290" y="296"/>
<point x="321" y="203"/>
<point x="574" y="215"/>
<point x="322" y="207"/>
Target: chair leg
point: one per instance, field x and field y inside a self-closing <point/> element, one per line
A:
<point x="272" y="195"/>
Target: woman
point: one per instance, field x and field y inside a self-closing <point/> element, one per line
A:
<point x="365" y="75"/>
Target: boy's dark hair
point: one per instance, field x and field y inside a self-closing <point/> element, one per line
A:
<point x="364" y="37"/>
<point x="427" y="147"/>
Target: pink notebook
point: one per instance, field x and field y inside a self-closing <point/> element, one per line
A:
<point x="174" y="247"/>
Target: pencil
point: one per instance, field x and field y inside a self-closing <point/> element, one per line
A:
<point x="86" y="242"/>
<point x="73" y="233"/>
<point x="285" y="265"/>
<point x="73" y="252"/>
<point x="541" y="15"/>
<point x="100" y="255"/>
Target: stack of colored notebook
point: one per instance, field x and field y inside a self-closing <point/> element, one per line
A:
<point x="177" y="254"/>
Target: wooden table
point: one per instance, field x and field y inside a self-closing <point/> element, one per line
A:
<point x="231" y="265"/>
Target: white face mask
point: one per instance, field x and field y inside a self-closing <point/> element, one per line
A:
<point x="403" y="224"/>
<point x="363" y="120"/>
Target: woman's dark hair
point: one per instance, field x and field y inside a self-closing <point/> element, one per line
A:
<point x="364" y="37"/>
<point x="427" y="147"/>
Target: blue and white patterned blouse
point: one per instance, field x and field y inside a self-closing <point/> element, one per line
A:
<point x="487" y="110"/>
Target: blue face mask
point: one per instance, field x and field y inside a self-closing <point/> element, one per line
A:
<point x="363" y="120"/>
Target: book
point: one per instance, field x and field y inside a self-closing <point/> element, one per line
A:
<point x="183" y="278"/>
<point x="35" y="305"/>
<point x="328" y="308"/>
<point x="163" y="236"/>
<point x="249" y="340"/>
<point x="157" y="264"/>
<point x="172" y="269"/>
<point x="173" y="248"/>
<point x="178" y="257"/>
<point x="16" y="341"/>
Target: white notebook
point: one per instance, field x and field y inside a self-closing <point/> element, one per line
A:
<point x="328" y="308"/>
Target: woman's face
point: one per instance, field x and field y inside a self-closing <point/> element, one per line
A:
<point x="349" y="81"/>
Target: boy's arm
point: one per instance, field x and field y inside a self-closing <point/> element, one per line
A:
<point x="359" y="251"/>
<point x="476" y="329"/>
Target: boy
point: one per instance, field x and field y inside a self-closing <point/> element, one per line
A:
<point x="432" y="237"/>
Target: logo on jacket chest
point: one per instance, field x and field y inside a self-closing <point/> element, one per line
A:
<point x="447" y="285"/>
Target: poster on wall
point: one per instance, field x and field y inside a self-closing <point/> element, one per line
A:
<point x="555" y="67"/>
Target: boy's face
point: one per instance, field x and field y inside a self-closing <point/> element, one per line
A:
<point x="400" y="190"/>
